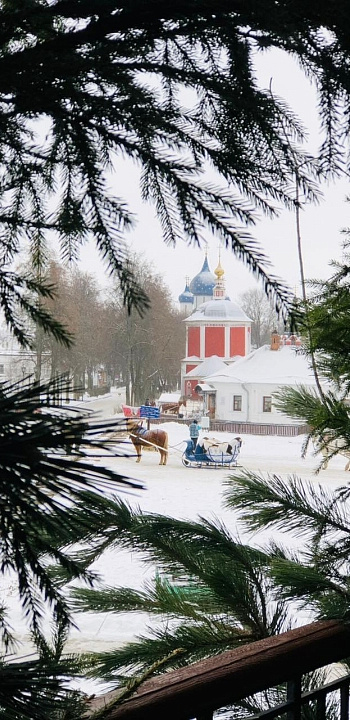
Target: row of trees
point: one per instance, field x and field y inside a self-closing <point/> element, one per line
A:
<point x="142" y="352"/>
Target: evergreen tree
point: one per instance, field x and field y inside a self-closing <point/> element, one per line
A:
<point x="52" y="495"/>
<point x="76" y="96"/>
<point x="324" y="323"/>
<point x="316" y="576"/>
<point x="213" y="593"/>
<point x="210" y="593"/>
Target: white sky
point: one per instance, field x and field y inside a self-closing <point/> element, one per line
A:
<point x="321" y="225"/>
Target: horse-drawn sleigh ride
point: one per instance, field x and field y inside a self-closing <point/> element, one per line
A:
<point x="208" y="452"/>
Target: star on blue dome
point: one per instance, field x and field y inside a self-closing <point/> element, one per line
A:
<point x="204" y="282"/>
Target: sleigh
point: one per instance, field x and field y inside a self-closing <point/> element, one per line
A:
<point x="212" y="457"/>
<point x="131" y="412"/>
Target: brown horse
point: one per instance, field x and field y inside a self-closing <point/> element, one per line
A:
<point x="157" y="438"/>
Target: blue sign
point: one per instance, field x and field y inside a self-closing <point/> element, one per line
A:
<point x="148" y="411"/>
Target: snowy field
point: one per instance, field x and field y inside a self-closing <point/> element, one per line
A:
<point x="182" y="493"/>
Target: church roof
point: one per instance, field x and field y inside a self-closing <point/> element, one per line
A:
<point x="204" y="282"/>
<point x="218" y="310"/>
<point x="187" y="296"/>
<point x="209" y="366"/>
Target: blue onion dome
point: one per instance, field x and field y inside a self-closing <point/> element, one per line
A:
<point x="204" y="282"/>
<point x="186" y="297"/>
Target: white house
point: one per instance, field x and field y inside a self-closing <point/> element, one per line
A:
<point x="244" y="391"/>
<point x="16" y="363"/>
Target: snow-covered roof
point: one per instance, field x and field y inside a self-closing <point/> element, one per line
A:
<point x="169" y="397"/>
<point x="218" y="310"/>
<point x="209" y="366"/>
<point x="204" y="387"/>
<point x="285" y="366"/>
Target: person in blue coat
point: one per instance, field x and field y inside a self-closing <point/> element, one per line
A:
<point x="194" y="432"/>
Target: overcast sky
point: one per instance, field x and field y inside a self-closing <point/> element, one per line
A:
<point x="321" y="225"/>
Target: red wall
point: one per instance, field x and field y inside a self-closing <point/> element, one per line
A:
<point x="190" y="367"/>
<point x="193" y="342"/>
<point x="237" y="341"/>
<point x="191" y="392"/>
<point x="214" y="341"/>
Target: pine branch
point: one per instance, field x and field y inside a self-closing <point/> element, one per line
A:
<point x="39" y="482"/>
<point x="297" y="506"/>
<point x="99" y="105"/>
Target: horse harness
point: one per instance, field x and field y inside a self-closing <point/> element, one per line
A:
<point x="139" y="432"/>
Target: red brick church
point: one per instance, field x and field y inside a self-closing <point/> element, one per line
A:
<point x="217" y="330"/>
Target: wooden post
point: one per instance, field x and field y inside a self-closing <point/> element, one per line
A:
<point x="294" y="694"/>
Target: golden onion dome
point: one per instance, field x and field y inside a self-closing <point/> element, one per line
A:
<point x="219" y="272"/>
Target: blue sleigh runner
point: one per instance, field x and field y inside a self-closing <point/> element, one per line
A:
<point x="215" y="455"/>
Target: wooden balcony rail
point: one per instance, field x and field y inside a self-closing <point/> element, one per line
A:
<point x="200" y="689"/>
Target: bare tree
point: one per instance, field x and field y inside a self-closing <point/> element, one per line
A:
<point x="143" y="352"/>
<point x="147" y="349"/>
<point x="78" y="306"/>
<point x="263" y="316"/>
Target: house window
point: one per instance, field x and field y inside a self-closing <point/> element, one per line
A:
<point x="237" y="402"/>
<point x="267" y="403"/>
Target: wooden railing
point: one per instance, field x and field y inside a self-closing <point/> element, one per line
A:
<point x="199" y="690"/>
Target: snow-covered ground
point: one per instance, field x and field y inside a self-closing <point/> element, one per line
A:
<point x="182" y="493"/>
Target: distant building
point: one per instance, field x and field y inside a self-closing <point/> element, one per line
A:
<point x="243" y="392"/>
<point x="234" y="383"/>
<point x="17" y="363"/>
<point x="217" y="327"/>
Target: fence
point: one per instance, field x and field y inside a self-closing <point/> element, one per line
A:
<point x="258" y="428"/>
<point x="238" y="428"/>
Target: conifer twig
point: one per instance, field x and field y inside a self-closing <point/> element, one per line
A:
<point x="132" y="685"/>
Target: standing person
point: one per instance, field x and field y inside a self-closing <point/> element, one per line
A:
<point x="194" y="432"/>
